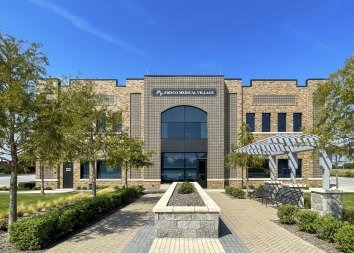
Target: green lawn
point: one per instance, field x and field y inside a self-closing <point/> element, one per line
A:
<point x="348" y="200"/>
<point x="28" y="199"/>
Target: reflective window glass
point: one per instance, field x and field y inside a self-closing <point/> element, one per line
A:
<point x="284" y="170"/>
<point x="297" y="121"/>
<point x="281" y="122"/>
<point x="106" y="172"/>
<point x="250" y="121"/>
<point x="173" y="160"/>
<point x="191" y="160"/>
<point x="85" y="170"/>
<point x="194" y="126"/>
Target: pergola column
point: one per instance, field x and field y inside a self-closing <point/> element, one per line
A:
<point x="271" y="162"/>
<point x="293" y="164"/>
<point x="326" y="165"/>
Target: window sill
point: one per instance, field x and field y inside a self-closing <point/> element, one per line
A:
<point x="46" y="180"/>
<point x="108" y="179"/>
<point x="288" y="178"/>
<point x="276" y="132"/>
<point x="259" y="178"/>
<point x="84" y="179"/>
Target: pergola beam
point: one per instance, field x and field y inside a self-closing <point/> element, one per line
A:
<point x="290" y="145"/>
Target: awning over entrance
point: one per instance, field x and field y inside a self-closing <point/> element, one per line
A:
<point x="290" y="145"/>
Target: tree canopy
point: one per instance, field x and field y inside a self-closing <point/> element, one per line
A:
<point x="335" y="101"/>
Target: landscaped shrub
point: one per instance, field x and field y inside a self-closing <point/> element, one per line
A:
<point x="344" y="238"/>
<point x="186" y="188"/>
<point x="307" y="201"/>
<point x="3" y="224"/>
<point x="38" y="231"/>
<point x="327" y="226"/>
<point x="306" y="220"/>
<point x="78" y="188"/>
<point x="26" y="185"/>
<point x="4" y="188"/>
<point x="286" y="214"/>
<point x="235" y="192"/>
<point x="348" y="215"/>
<point x="48" y="188"/>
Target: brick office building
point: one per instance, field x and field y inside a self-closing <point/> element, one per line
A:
<point x="191" y="122"/>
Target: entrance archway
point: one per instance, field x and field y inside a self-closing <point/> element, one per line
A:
<point x="184" y="138"/>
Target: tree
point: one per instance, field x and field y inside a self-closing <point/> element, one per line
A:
<point x="47" y="140"/>
<point x="85" y="124"/>
<point x="128" y="152"/>
<point x="21" y="65"/>
<point x="243" y="160"/>
<point x="335" y="100"/>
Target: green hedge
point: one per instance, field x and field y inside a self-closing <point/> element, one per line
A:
<point x="26" y="185"/>
<point x="37" y="232"/>
<point x="327" y="226"/>
<point x="344" y="238"/>
<point x="348" y="215"/>
<point x="235" y="192"/>
<point x="306" y="220"/>
<point x="286" y="214"/>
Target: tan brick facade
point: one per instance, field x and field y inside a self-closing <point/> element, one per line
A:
<point x="235" y="100"/>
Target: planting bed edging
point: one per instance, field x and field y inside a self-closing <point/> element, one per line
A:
<point x="187" y="221"/>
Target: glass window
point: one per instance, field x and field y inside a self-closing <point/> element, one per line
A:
<point x="250" y="121"/>
<point x="193" y="114"/>
<point x="173" y="160"/>
<point x="284" y="170"/>
<point x="172" y="130"/>
<point x="118" y="127"/>
<point x="105" y="172"/>
<point x="101" y="124"/>
<point x="260" y="172"/>
<point x="297" y="122"/>
<point x="180" y="166"/>
<point x="265" y="122"/>
<point x="281" y="122"/>
<point x="184" y="122"/>
<point x="85" y="170"/>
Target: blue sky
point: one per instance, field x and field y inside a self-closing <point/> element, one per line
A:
<point x="246" y="39"/>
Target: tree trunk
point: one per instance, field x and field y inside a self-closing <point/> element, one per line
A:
<point x="247" y="186"/>
<point x="94" y="176"/>
<point x="41" y="168"/>
<point x="242" y="176"/>
<point x="126" y="175"/>
<point x="13" y="182"/>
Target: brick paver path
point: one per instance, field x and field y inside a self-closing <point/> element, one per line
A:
<point x="253" y="224"/>
<point x="186" y="245"/>
<point x="113" y="233"/>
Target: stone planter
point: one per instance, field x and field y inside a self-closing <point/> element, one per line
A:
<point x="327" y="202"/>
<point x="187" y="221"/>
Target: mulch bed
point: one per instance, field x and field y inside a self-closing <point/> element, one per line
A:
<point x="190" y="199"/>
<point x="311" y="238"/>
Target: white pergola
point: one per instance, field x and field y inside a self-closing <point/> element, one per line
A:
<point x="290" y="145"/>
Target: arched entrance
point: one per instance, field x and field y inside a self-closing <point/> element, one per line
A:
<point x="184" y="142"/>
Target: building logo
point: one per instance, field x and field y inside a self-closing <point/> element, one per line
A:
<point x="183" y="92"/>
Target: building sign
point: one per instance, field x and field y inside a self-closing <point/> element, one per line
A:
<point x="183" y="92"/>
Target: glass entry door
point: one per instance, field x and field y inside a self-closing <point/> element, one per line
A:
<point x="180" y="166"/>
<point x="202" y="172"/>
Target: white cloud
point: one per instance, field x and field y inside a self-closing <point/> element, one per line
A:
<point x="84" y="25"/>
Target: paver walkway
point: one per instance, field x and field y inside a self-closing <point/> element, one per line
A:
<point x="253" y="224"/>
<point x="186" y="245"/>
<point x="113" y="233"/>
